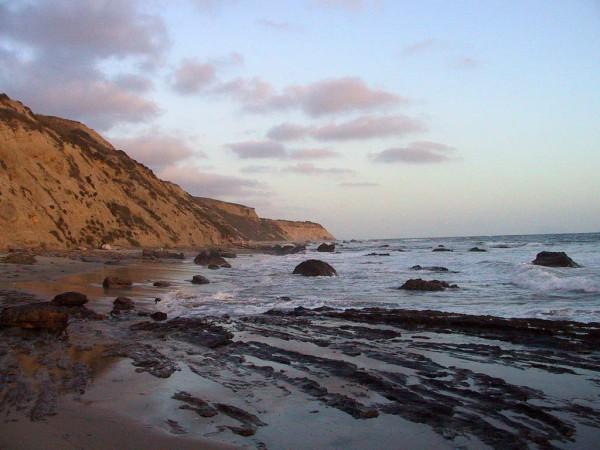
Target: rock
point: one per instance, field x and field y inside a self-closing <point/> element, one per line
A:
<point x="554" y="259"/>
<point x="123" y="304"/>
<point x="289" y="249"/>
<point x="213" y="267"/>
<point x="211" y="257"/>
<point x="430" y="268"/>
<point x="477" y="249"/>
<point x="19" y="258"/>
<point x="314" y="268"/>
<point x="417" y="284"/>
<point x="159" y="316"/>
<point x="378" y="254"/>
<point x="227" y="254"/>
<point x="197" y="330"/>
<point x="199" y="279"/>
<point x="37" y="316"/>
<point x="324" y="247"/>
<point x="161" y="284"/>
<point x="158" y="254"/>
<point x="70" y="299"/>
<point x="106" y="247"/>
<point x="116" y="282"/>
<point x="441" y="248"/>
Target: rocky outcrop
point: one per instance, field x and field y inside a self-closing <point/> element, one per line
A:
<point x="70" y="299"/>
<point x="199" y="279"/>
<point x="417" y="284"/>
<point x="123" y="304"/>
<point x="162" y="254"/>
<point x="63" y="186"/>
<point x="554" y="259"/>
<point x="314" y="268"/>
<point x="211" y="259"/>
<point x="37" y="316"/>
<point x="430" y="268"/>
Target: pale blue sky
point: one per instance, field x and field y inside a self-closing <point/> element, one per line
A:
<point x="505" y="95"/>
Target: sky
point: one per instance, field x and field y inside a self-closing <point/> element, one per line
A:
<point x="378" y="119"/>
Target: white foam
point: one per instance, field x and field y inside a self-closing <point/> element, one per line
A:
<point x="545" y="280"/>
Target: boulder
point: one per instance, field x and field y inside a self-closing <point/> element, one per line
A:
<point x="199" y="279"/>
<point x="116" y="282"/>
<point x="161" y="284"/>
<point x="289" y="249"/>
<point x="324" y="247"/>
<point x="70" y="299"/>
<point x="554" y="259"/>
<point x="430" y="268"/>
<point x="159" y="316"/>
<point x="441" y="248"/>
<point x="417" y="284"/>
<point x="477" y="249"/>
<point x="37" y="316"/>
<point x="123" y="304"/>
<point x="211" y="257"/>
<point x="314" y="268"/>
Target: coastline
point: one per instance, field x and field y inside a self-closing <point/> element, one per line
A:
<point x="354" y="379"/>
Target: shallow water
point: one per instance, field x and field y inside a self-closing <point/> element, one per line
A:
<point x="500" y="282"/>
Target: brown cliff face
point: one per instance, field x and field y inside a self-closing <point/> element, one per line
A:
<point x="62" y="185"/>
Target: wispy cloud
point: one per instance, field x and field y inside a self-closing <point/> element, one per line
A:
<point x="314" y="153"/>
<point x="420" y="152"/>
<point x="311" y="169"/>
<point x="358" y="184"/>
<point x="192" y="76"/>
<point x="258" y="149"/>
<point x="419" y="47"/>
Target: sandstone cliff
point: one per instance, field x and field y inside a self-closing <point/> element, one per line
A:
<point x="62" y="185"/>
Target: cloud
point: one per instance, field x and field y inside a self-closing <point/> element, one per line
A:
<point x="191" y="76"/>
<point x="258" y="149"/>
<point x="257" y="169"/>
<point x="331" y="96"/>
<point x="59" y="48"/>
<point x="204" y="184"/>
<point x="314" y="153"/>
<point x="420" y="152"/>
<point x="156" y="149"/>
<point x="465" y="62"/>
<point x="311" y="169"/>
<point x="361" y="128"/>
<point x="358" y="184"/>
<point x="419" y="47"/>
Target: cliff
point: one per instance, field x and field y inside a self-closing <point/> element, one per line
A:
<point x="62" y="186"/>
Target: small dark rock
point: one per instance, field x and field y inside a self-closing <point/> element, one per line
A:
<point x="70" y="299"/>
<point x="159" y="316"/>
<point x="116" y="282"/>
<point x="158" y="254"/>
<point x="123" y="304"/>
<point x="430" y="268"/>
<point x="161" y="284"/>
<point x="314" y="268"/>
<point x="199" y="279"/>
<point x="477" y="249"/>
<point x="554" y="259"/>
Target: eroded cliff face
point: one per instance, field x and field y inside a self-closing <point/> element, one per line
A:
<point x="62" y="186"/>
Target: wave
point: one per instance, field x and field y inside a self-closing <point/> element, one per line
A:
<point x="542" y="280"/>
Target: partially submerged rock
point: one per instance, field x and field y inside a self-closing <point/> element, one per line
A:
<point x="159" y="316"/>
<point x="314" y="268"/>
<point x="477" y="249"/>
<point x="441" y="248"/>
<point x="430" y="268"/>
<point x="418" y="284"/>
<point x="194" y="330"/>
<point x="211" y="258"/>
<point x="37" y="316"/>
<point x="377" y="254"/>
<point x="289" y="249"/>
<point x="160" y="254"/>
<point x="70" y="299"/>
<point x="200" y="279"/>
<point x="116" y="282"/>
<point x="123" y="304"/>
<point x="554" y="259"/>
<point x="324" y="247"/>
<point x="161" y="284"/>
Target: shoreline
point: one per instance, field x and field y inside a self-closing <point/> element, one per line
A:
<point x="355" y="378"/>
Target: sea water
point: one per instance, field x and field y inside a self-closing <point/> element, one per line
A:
<point x="500" y="282"/>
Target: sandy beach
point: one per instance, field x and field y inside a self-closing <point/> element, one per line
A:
<point x="352" y="379"/>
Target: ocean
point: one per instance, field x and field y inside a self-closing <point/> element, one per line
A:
<point x="500" y="282"/>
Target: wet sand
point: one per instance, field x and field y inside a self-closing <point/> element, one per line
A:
<point x="289" y="379"/>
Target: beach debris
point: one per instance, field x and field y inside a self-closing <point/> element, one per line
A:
<point x="554" y="259"/>
<point x="200" y="279"/>
<point x="418" y="284"/>
<point x="70" y="299"/>
<point x="116" y="282"/>
<point x="314" y="268"/>
<point x="328" y="248"/>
